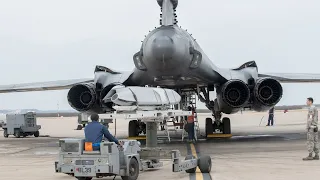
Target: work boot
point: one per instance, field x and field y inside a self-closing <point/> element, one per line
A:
<point x="316" y="157"/>
<point x="308" y="157"/>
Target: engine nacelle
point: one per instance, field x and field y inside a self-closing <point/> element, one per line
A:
<point x="82" y="97"/>
<point x="267" y="93"/>
<point x="232" y="95"/>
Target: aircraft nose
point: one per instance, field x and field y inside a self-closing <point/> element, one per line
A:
<point x="162" y="48"/>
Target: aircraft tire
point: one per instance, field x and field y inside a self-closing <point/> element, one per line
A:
<point x="209" y="126"/>
<point x="132" y="129"/>
<point x="226" y="125"/>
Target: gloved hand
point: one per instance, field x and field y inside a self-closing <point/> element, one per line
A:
<point x="315" y="129"/>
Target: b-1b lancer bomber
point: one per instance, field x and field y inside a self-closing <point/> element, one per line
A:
<point x="170" y="57"/>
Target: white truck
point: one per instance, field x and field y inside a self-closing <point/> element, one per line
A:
<point x="24" y="124"/>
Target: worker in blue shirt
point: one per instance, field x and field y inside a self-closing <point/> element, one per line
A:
<point x="271" y="116"/>
<point x="94" y="132"/>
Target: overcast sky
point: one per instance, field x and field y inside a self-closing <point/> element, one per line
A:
<point x="64" y="39"/>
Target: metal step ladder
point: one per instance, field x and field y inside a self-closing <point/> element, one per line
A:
<point x="193" y="102"/>
<point x="172" y="125"/>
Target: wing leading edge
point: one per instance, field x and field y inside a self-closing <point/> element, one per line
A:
<point x="293" y="77"/>
<point x="43" y="86"/>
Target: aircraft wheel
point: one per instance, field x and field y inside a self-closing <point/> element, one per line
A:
<point x="204" y="164"/>
<point x="226" y="125"/>
<point x="132" y="130"/>
<point x="193" y="170"/>
<point x="37" y="134"/>
<point x="5" y="133"/>
<point x="133" y="170"/>
<point x="209" y="126"/>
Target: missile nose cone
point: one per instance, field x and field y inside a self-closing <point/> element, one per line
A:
<point x="162" y="48"/>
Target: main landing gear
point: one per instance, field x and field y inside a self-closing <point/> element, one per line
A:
<point x="216" y="126"/>
<point x="223" y="127"/>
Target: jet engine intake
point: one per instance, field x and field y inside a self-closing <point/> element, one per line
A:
<point x="82" y="97"/>
<point x="267" y="93"/>
<point x="235" y="93"/>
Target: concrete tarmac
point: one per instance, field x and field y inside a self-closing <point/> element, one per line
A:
<point x="254" y="152"/>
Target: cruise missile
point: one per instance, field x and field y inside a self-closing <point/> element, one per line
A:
<point x="142" y="96"/>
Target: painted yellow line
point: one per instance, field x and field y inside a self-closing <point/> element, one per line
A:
<point x="199" y="175"/>
<point x="219" y="135"/>
<point x="137" y="138"/>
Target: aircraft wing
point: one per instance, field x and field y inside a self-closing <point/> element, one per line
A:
<point x="294" y="77"/>
<point x="42" y="86"/>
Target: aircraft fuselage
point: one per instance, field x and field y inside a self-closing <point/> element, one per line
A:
<point x="170" y="56"/>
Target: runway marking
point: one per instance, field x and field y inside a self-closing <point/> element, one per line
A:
<point x="137" y="138"/>
<point x="194" y="153"/>
<point x="219" y="135"/>
<point x="194" y="150"/>
<point x="206" y="176"/>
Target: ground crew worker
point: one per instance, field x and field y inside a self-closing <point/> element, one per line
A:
<point x="94" y="132"/>
<point x="190" y="124"/>
<point x="312" y="131"/>
<point x="271" y="115"/>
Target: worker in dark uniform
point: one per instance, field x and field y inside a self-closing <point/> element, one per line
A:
<point x="190" y="124"/>
<point x="271" y="115"/>
<point x="95" y="131"/>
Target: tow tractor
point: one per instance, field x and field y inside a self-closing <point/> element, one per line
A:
<point x="78" y="159"/>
